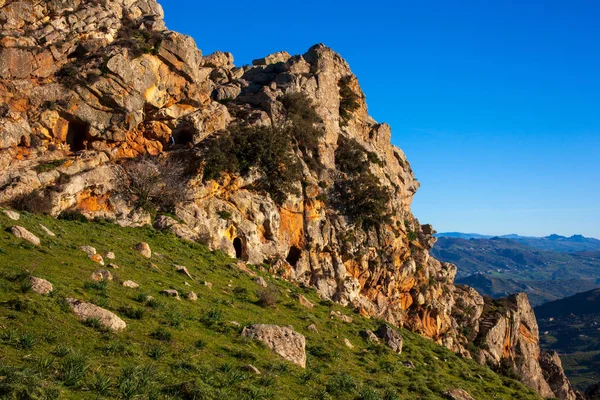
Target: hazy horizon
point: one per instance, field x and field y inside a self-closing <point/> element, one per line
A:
<point x="494" y="104"/>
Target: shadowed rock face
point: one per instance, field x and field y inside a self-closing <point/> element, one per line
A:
<point x="94" y="83"/>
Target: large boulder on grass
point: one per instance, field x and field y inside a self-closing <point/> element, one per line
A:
<point x="283" y="340"/>
<point x="24" y="234"/>
<point x="390" y="337"/>
<point x="86" y="311"/>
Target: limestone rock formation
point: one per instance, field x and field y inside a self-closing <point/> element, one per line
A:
<point x="283" y="340"/>
<point x="144" y="249"/>
<point x="130" y="284"/>
<point x="89" y="87"/>
<point x="390" y="337"/>
<point x="85" y="311"/>
<point x="555" y="376"/>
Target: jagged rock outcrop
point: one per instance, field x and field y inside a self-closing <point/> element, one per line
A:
<point x="555" y="376"/>
<point x="86" y="86"/>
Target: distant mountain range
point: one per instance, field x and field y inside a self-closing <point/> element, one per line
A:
<point x="571" y="326"/>
<point x="552" y="242"/>
<point x="498" y="266"/>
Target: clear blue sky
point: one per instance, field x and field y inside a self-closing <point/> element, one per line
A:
<point x="496" y="104"/>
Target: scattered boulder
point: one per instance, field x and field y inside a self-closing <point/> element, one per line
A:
<point x="348" y="344"/>
<point x="170" y="293"/>
<point x="144" y="249"/>
<point x="312" y="328"/>
<point x="283" y="340"/>
<point x="183" y="270"/>
<point x="47" y="231"/>
<point x="305" y="302"/>
<point x="192" y="296"/>
<point x="408" y="364"/>
<point x="89" y="250"/>
<point x="458" y="394"/>
<point x="342" y="317"/>
<point x="97" y="258"/>
<point x="208" y="284"/>
<point x="112" y="265"/>
<point x="260" y="281"/>
<point x="15" y="216"/>
<point x="253" y="369"/>
<point x="109" y="255"/>
<point x="130" y="284"/>
<point x="101" y="275"/>
<point x="107" y="319"/>
<point x="370" y="336"/>
<point x="40" y="286"/>
<point x="24" y="234"/>
<point x="390" y="337"/>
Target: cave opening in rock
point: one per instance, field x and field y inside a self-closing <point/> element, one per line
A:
<point x="293" y="256"/>
<point x="183" y="136"/>
<point x="77" y="135"/>
<point x="238" y="245"/>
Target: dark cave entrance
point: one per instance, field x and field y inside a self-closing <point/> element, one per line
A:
<point x="77" y="135"/>
<point x="183" y="137"/>
<point x="293" y="256"/>
<point x="238" y="245"/>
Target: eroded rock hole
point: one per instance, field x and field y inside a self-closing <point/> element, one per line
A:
<point x="238" y="245"/>
<point x="183" y="137"/>
<point x="293" y="256"/>
<point x="77" y="135"/>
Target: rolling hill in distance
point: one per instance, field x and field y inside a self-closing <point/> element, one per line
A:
<point x="552" y="242"/>
<point x="499" y="266"/>
<point x="571" y="326"/>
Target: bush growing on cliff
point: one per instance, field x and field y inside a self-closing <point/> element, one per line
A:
<point x="302" y="118"/>
<point x="359" y="194"/>
<point x="244" y="148"/>
<point x="154" y="183"/>
<point x="349" y="101"/>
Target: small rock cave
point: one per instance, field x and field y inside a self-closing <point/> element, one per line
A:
<point x="77" y="135"/>
<point x="183" y="136"/>
<point x="240" y="251"/>
<point x="293" y="256"/>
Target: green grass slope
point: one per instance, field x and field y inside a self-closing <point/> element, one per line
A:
<point x="192" y="350"/>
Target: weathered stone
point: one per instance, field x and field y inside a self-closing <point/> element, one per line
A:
<point x="253" y="369"/>
<point x="170" y="293"/>
<point x="97" y="258"/>
<point x="457" y="394"/>
<point x="85" y="311"/>
<point x="312" y="328"/>
<point x="47" y="231"/>
<point x="89" y="250"/>
<point x="40" y="286"/>
<point x="101" y="275"/>
<point x="369" y="336"/>
<point x="183" y="270"/>
<point x="279" y="57"/>
<point x="390" y="337"/>
<point x="130" y="284"/>
<point x="283" y="340"/>
<point x="12" y="214"/>
<point x="144" y="249"/>
<point x="192" y="296"/>
<point x="305" y="302"/>
<point x="218" y="59"/>
<point x="348" y="344"/>
<point x="342" y="317"/>
<point x="261" y="281"/>
<point x="109" y="255"/>
<point x="24" y="234"/>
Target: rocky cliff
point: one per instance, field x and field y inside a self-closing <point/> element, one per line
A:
<point x="87" y="88"/>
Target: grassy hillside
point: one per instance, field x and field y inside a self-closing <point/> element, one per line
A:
<point x="192" y="350"/>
